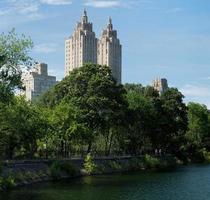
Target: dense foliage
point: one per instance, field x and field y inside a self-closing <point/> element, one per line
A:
<point x="13" y="56"/>
<point x="88" y="112"/>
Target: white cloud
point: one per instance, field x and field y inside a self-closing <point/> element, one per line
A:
<point x="112" y="3"/>
<point x="13" y="12"/>
<point x="56" y="2"/>
<point x="45" y="48"/>
<point x="195" y="91"/>
<point x="20" y="11"/>
<point x="23" y="6"/>
<point x="102" y="4"/>
<point x="4" y="12"/>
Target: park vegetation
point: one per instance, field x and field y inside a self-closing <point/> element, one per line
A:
<point x="88" y="113"/>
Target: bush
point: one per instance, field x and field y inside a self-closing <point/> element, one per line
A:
<point x="151" y="162"/>
<point x="115" y="165"/>
<point x="202" y="156"/>
<point x="7" y="182"/>
<point x="206" y="157"/>
<point x="20" y="177"/>
<point x="59" y="168"/>
<point x="55" y="170"/>
<point x="1" y="183"/>
<point x="136" y="164"/>
<point x="69" y="168"/>
<point x="89" y="164"/>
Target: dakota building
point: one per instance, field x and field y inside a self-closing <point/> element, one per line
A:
<point x="83" y="47"/>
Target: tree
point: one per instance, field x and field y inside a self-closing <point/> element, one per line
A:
<point x="174" y="120"/>
<point x="67" y="129"/>
<point x="198" y="128"/>
<point x="92" y="92"/>
<point x="13" y="56"/>
<point x="22" y="125"/>
<point x="141" y="118"/>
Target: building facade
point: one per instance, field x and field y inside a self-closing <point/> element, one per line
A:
<point x="160" y="84"/>
<point x="83" y="47"/>
<point x="110" y="51"/>
<point x="37" y="82"/>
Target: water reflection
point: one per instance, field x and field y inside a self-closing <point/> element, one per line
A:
<point x="188" y="183"/>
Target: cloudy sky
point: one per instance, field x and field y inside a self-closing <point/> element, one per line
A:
<point x="160" y="38"/>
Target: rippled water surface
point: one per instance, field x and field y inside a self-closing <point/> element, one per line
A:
<point x="187" y="183"/>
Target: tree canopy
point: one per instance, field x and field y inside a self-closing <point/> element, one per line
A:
<point x="89" y="112"/>
<point x="13" y="56"/>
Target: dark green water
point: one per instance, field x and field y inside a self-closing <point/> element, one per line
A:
<point x="187" y="183"/>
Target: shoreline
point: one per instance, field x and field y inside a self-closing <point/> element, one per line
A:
<point x="28" y="172"/>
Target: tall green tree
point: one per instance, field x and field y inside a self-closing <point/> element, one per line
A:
<point x="141" y="117"/>
<point x="14" y="51"/>
<point x="91" y="91"/>
<point x="68" y="131"/>
<point x="174" y="121"/>
<point x="13" y="56"/>
<point x="198" y="128"/>
<point x="22" y="126"/>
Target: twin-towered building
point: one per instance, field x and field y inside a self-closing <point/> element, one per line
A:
<point x="83" y="47"/>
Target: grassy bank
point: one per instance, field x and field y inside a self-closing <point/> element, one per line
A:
<point x="67" y="169"/>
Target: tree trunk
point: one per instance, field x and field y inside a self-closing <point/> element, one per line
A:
<point x="89" y="147"/>
<point x="110" y="144"/>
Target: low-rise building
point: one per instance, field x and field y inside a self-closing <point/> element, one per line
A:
<point x="37" y="81"/>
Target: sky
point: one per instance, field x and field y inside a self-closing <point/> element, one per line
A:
<point x="160" y="38"/>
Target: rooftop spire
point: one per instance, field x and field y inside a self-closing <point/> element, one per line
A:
<point x="110" y="26"/>
<point x="85" y="17"/>
<point x="85" y="12"/>
<point x="110" y="20"/>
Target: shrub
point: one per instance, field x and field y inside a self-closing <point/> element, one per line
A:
<point x="20" y="177"/>
<point x="0" y="167"/>
<point x="207" y="157"/>
<point x="7" y="182"/>
<point x="115" y="165"/>
<point x="58" y="168"/>
<point x="136" y="164"/>
<point x="89" y="164"/>
<point x="151" y="162"/>
<point x="202" y="155"/>
<point x="30" y="176"/>
<point x="1" y="183"/>
<point x="55" y="170"/>
<point x="69" y="168"/>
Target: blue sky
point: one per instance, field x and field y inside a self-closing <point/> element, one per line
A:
<point x="160" y="38"/>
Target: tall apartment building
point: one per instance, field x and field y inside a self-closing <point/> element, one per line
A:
<point x="110" y="51"/>
<point x="37" y="82"/>
<point x="160" y="84"/>
<point x="83" y="47"/>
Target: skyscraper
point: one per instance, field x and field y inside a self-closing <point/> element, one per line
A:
<point x="81" y="47"/>
<point x="161" y="85"/>
<point x="110" y="51"/>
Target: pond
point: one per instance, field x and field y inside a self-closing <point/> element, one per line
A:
<point x="185" y="183"/>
